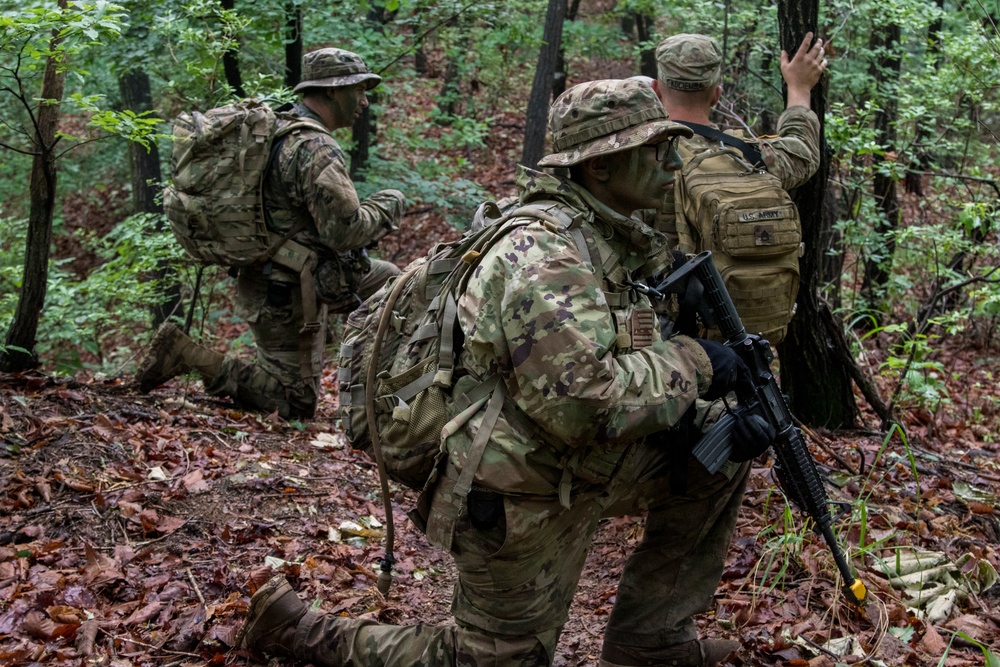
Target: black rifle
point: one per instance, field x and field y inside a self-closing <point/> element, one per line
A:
<point x="698" y="282"/>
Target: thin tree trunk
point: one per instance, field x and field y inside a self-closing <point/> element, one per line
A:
<point x="366" y="126"/>
<point x="146" y="178"/>
<point x="644" y="25"/>
<point x="230" y="61"/>
<point x="561" y="76"/>
<point x="813" y="369"/>
<point x="293" y="44"/>
<point x="541" y="87"/>
<point x="884" y="40"/>
<point x="42" y="191"/>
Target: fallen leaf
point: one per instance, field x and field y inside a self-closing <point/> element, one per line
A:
<point x="932" y="643"/>
<point x="195" y="482"/>
<point x="100" y="570"/>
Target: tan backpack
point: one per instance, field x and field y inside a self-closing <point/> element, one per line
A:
<point x="728" y="202"/>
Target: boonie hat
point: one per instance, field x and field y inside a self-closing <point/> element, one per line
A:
<point x="603" y="117"/>
<point x="689" y="62"/>
<point x="332" y="68"/>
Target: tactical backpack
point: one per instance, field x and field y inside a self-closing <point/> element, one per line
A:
<point x="730" y="204"/>
<point x="218" y="162"/>
<point x="398" y="357"/>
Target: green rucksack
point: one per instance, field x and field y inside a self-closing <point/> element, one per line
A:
<point x="730" y="204"/>
<point x="214" y="203"/>
<point x="398" y="357"/>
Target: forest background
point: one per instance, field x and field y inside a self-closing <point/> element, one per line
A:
<point x="898" y="313"/>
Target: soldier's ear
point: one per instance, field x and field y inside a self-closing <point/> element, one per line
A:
<point x="717" y="95"/>
<point x="597" y="168"/>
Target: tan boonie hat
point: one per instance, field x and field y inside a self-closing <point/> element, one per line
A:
<point x="332" y="68"/>
<point x="603" y="117"/>
<point x="689" y="62"/>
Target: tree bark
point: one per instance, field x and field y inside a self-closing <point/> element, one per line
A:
<point x="813" y="372"/>
<point x="146" y="177"/>
<point x="644" y="25"/>
<point x="541" y="87"/>
<point x="293" y="44"/>
<point x="42" y="191"/>
<point x="561" y="75"/>
<point x="365" y="128"/>
<point x="230" y="61"/>
<point x="885" y="41"/>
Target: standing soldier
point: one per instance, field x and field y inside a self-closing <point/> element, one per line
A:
<point x="308" y="189"/>
<point x="592" y="393"/>
<point x="757" y="251"/>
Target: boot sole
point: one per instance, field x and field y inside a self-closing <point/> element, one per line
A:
<point x="260" y="603"/>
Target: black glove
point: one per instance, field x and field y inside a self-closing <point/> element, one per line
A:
<point x="751" y="436"/>
<point x="728" y="370"/>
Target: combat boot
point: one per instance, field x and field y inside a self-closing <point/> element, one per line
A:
<point x="173" y="353"/>
<point x="275" y="612"/>
<point x="695" y="653"/>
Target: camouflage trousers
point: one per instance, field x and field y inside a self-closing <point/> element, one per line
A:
<point x="517" y="573"/>
<point x="273" y="379"/>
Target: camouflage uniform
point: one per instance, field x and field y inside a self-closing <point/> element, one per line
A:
<point x="592" y="392"/>
<point x="694" y="62"/>
<point x="308" y="180"/>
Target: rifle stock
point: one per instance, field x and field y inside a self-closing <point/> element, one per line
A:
<point x="794" y="465"/>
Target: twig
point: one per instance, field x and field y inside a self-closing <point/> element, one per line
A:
<point x="988" y="181"/>
<point x="315" y="494"/>
<point x="197" y="591"/>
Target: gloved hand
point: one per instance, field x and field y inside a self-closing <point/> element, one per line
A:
<point x="751" y="437"/>
<point x="728" y="370"/>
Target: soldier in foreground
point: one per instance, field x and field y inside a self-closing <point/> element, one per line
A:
<point x="585" y="431"/>
<point x="307" y="188"/>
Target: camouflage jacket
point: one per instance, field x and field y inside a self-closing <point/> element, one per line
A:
<point x="309" y="181"/>
<point x="792" y="156"/>
<point x="585" y="371"/>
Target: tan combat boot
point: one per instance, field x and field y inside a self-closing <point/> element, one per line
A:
<point x="695" y="653"/>
<point x="275" y="611"/>
<point x="173" y="353"/>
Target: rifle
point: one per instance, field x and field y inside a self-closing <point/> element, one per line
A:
<point x="697" y="281"/>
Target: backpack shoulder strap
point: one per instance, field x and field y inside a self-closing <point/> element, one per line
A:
<point x="750" y="152"/>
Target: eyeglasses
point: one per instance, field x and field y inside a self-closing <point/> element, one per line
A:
<point x="665" y="149"/>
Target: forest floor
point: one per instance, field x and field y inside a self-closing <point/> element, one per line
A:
<point x="133" y="529"/>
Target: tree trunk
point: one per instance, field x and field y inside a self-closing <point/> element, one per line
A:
<point x="293" y="44"/>
<point x="885" y="41"/>
<point x="561" y="75"/>
<point x="541" y="87"/>
<point x="146" y="178"/>
<point x="42" y="191"/>
<point x="922" y="161"/>
<point x="813" y="369"/>
<point x="644" y="26"/>
<point x="366" y="126"/>
<point x="230" y="62"/>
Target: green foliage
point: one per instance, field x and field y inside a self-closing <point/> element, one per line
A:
<point x="82" y="318"/>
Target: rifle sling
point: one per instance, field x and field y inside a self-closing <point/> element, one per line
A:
<point x="751" y="153"/>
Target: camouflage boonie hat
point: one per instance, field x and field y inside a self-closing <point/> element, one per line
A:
<point x="689" y="62"/>
<point x="603" y="117"/>
<point x="333" y="68"/>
